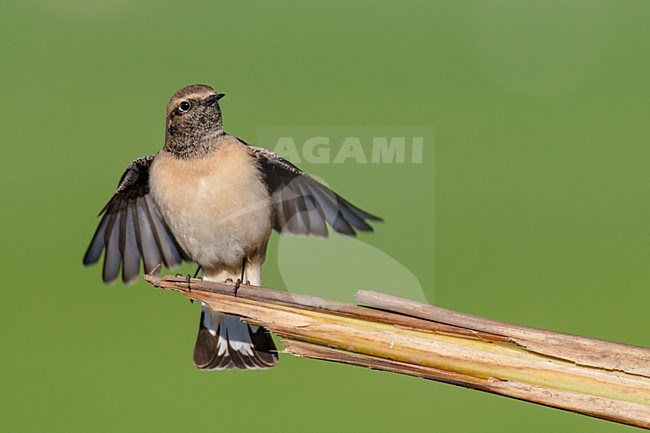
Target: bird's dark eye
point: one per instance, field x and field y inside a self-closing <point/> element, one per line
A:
<point x="183" y="106"/>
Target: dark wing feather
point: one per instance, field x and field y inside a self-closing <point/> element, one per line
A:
<point x="132" y="230"/>
<point x="302" y="205"/>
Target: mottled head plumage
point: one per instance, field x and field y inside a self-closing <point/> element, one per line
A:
<point x="193" y="122"/>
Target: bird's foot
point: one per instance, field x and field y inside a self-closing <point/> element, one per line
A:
<point x="189" y="286"/>
<point x="188" y="277"/>
<point x="237" y="284"/>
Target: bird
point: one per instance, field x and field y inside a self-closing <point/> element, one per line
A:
<point x="210" y="198"/>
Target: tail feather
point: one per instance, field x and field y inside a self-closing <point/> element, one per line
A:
<point x="226" y="342"/>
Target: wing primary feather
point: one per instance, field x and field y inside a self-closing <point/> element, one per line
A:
<point x="112" y="255"/>
<point x="329" y="210"/>
<point x="316" y="216"/>
<point x="133" y="209"/>
<point x="332" y="212"/>
<point x="122" y="222"/>
<point x="94" y="251"/>
<point x="148" y="243"/>
<point x="343" y="206"/>
<point x="288" y="210"/>
<point x="151" y="217"/>
<point x="279" y="221"/>
<point x="112" y="216"/>
<point x="302" y="216"/>
<point x="353" y="218"/>
<point x="131" y="252"/>
<point x="362" y="213"/>
<point x="347" y="209"/>
<point x="168" y="249"/>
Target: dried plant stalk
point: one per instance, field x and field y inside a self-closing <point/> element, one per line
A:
<point x="592" y="377"/>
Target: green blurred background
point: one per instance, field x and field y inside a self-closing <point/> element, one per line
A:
<point x="531" y="207"/>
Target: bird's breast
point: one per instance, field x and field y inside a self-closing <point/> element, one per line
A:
<point x="217" y="207"/>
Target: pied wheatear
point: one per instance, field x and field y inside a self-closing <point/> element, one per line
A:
<point x="210" y="198"/>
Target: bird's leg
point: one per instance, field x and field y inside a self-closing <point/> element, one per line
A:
<point x="188" y="278"/>
<point x="243" y="267"/>
<point x="189" y="286"/>
<point x="241" y="278"/>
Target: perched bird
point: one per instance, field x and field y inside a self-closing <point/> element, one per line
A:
<point x="210" y="198"/>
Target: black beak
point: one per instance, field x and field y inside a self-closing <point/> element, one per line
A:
<point x="214" y="98"/>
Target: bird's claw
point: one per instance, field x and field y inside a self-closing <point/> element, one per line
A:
<point x="188" y="279"/>
<point x="237" y="284"/>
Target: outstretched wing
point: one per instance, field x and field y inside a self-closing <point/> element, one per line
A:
<point x="302" y="205"/>
<point x="132" y="229"/>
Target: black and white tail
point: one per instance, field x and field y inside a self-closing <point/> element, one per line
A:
<point x="226" y="342"/>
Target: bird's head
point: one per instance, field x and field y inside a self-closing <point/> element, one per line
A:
<point x="193" y="116"/>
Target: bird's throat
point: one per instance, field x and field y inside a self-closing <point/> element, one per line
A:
<point x="192" y="145"/>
